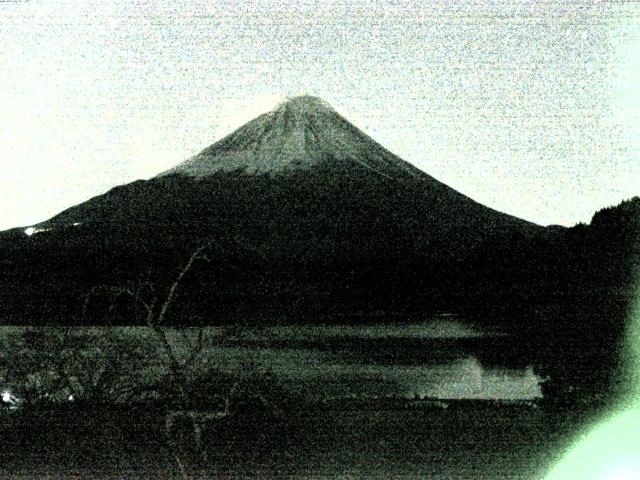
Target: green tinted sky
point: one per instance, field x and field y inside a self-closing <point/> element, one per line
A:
<point x="532" y="108"/>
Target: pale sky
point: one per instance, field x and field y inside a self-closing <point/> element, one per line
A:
<point x="532" y="108"/>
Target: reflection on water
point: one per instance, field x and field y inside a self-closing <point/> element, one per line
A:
<point x="442" y="327"/>
<point x="399" y="360"/>
<point x="466" y="378"/>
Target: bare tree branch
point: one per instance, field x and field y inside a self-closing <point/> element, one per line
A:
<point x="196" y="255"/>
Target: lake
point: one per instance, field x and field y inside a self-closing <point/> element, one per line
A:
<point x="441" y="357"/>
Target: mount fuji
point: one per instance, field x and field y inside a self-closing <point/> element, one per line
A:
<point x="302" y="208"/>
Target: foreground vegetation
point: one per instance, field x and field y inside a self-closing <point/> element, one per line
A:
<point x="400" y="440"/>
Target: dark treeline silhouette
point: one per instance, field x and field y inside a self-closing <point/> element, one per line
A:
<point x="45" y="276"/>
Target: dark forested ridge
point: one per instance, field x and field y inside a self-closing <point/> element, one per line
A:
<point x="277" y="241"/>
<point x="263" y="269"/>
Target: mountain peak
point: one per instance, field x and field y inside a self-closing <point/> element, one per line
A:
<point x="306" y="104"/>
<point x="303" y="132"/>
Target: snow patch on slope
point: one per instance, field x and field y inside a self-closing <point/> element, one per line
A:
<point x="300" y="133"/>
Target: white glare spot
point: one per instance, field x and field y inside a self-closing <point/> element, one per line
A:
<point x="76" y="224"/>
<point x="70" y="398"/>
<point x="6" y="397"/>
<point x="32" y="230"/>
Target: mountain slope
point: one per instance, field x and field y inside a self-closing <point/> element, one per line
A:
<point x="299" y="165"/>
